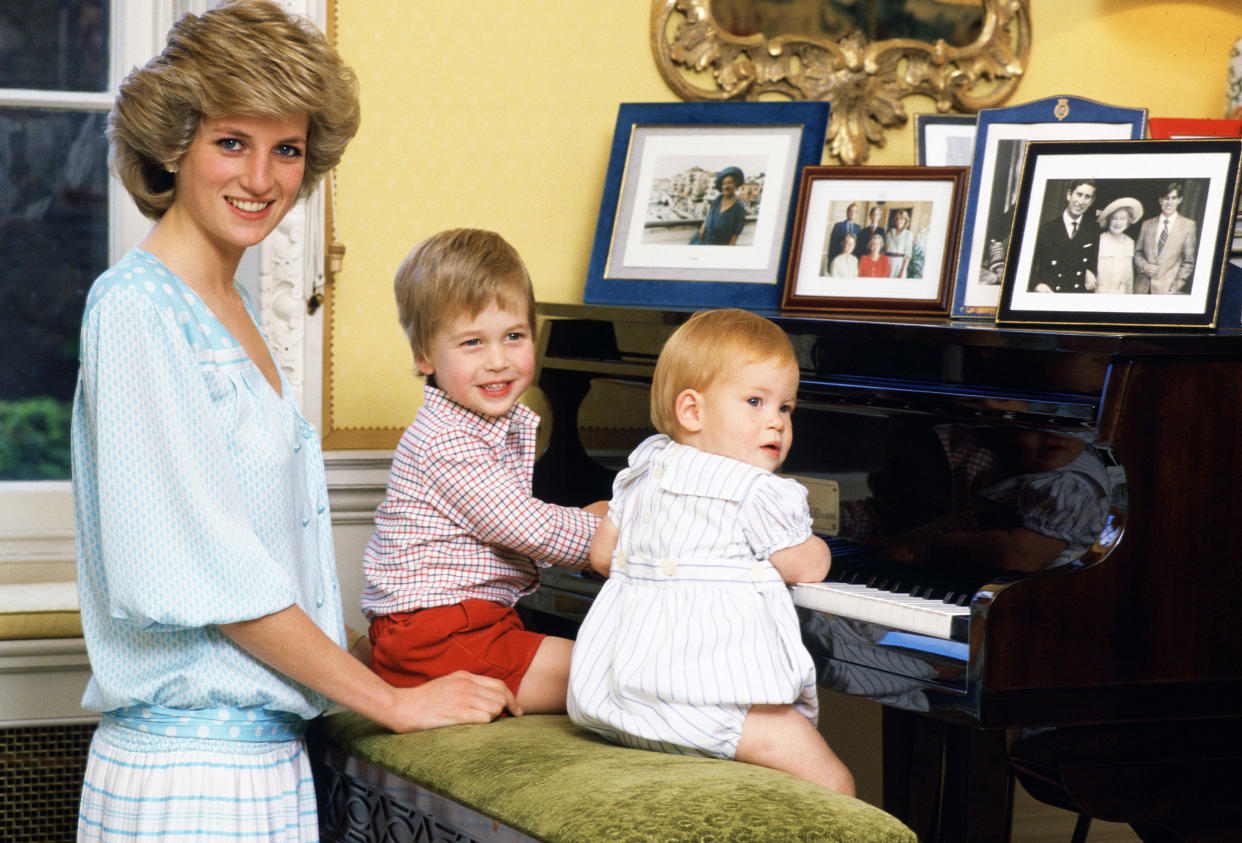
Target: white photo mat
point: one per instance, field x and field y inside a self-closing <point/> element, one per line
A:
<point x="1213" y="166"/>
<point x="825" y="192"/>
<point x="656" y="149"/>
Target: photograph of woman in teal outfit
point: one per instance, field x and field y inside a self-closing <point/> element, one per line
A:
<point x="727" y="215"/>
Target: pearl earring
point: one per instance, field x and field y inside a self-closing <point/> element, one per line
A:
<point x="172" y="168"/>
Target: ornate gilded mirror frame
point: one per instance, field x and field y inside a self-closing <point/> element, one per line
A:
<point x="865" y="81"/>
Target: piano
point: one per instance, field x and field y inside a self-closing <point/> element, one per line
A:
<point x="1116" y="647"/>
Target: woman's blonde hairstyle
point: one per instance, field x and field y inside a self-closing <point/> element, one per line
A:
<point x="704" y="346"/>
<point x="246" y="57"/>
<point x="458" y="273"/>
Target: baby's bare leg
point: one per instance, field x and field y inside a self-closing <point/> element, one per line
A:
<point x="546" y="682"/>
<point x="780" y="736"/>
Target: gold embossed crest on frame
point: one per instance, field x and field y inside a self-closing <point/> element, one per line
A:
<point x="864" y="80"/>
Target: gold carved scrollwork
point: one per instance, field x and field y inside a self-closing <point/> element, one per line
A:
<point x="865" y="81"/>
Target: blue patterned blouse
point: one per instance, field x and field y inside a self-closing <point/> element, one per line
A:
<point x="200" y="499"/>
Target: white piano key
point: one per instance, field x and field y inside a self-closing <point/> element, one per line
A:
<point x="899" y="611"/>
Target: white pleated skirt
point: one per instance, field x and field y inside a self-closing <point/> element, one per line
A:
<point x="171" y="789"/>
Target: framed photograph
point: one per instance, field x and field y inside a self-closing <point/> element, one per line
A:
<point x="1128" y="234"/>
<point x="1000" y="140"/>
<point x="698" y="202"/>
<point x="875" y="239"/>
<point x="944" y="140"/>
<point x="1177" y="128"/>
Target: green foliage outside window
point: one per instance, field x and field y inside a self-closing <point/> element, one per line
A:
<point x="34" y="439"/>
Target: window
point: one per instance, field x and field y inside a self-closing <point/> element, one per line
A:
<point x="54" y="57"/>
<point x="63" y="220"/>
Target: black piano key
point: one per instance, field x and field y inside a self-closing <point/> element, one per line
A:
<point x="858" y="564"/>
<point x="959" y="628"/>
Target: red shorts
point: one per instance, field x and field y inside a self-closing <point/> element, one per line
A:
<point x="410" y="648"/>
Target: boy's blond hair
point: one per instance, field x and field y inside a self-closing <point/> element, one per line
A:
<point x="704" y="346"/>
<point x="458" y="273"/>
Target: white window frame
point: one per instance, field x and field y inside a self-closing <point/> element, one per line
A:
<point x="36" y="517"/>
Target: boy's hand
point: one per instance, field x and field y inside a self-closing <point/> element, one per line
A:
<point x="603" y="543"/>
<point x="359" y="645"/>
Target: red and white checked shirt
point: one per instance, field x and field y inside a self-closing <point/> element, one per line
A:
<point x="459" y="520"/>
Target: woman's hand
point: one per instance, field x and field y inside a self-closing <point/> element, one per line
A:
<point x="289" y="642"/>
<point x="451" y="700"/>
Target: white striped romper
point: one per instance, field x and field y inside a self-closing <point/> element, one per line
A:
<point x="694" y="625"/>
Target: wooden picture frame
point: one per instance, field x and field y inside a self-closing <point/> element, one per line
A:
<point x="836" y="204"/>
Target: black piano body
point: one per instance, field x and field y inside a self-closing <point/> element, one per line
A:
<point x="1129" y="647"/>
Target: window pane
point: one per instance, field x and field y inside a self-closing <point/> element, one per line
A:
<point x="53" y="242"/>
<point x="54" y="45"/>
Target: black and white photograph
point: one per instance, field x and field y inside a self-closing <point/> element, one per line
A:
<point x="1100" y="238"/>
<point x="874" y="238"/>
<point x="698" y="202"/>
<point x="1000" y="145"/>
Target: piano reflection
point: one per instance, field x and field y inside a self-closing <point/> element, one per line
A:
<point x="1029" y="530"/>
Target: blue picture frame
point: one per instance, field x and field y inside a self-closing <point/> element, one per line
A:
<point x="995" y="174"/>
<point x="640" y="260"/>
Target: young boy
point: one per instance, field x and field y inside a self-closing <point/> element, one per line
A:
<point x="459" y="537"/>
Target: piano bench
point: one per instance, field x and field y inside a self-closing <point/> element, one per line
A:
<point x="539" y="777"/>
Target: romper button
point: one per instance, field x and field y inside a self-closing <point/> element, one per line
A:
<point x="657" y="472"/>
<point x="757" y="571"/>
<point x="618" y="560"/>
<point x="668" y="566"/>
<point x="646" y="517"/>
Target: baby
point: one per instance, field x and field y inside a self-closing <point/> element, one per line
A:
<point x="693" y="645"/>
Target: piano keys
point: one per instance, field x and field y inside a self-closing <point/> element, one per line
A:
<point x="897" y="610"/>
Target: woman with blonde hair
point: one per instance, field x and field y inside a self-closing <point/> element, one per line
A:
<point x="898" y="243"/>
<point x="209" y="599"/>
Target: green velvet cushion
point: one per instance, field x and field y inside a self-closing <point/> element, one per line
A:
<point x="543" y="776"/>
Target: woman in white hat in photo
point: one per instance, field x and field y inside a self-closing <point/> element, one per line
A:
<point x="1115" y="257"/>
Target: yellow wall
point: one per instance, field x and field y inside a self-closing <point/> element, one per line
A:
<point x="499" y="114"/>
